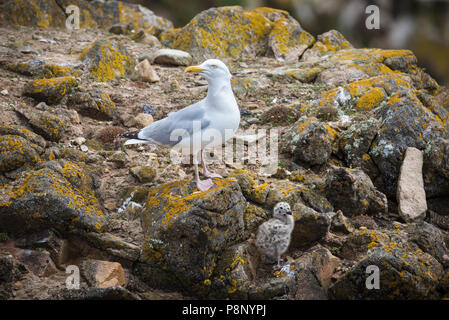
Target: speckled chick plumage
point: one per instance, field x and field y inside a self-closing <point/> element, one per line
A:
<point x="273" y="236"/>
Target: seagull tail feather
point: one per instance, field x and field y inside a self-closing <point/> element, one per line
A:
<point x="135" y="141"/>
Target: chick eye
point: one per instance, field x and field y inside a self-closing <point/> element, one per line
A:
<point x="213" y="66"/>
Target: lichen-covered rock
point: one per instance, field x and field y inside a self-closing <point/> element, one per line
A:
<point x="42" y="69"/>
<point x="406" y="271"/>
<point x="185" y="231"/>
<point x="107" y="60"/>
<point x="310" y="226"/>
<point x="352" y="191"/>
<point x="110" y="293"/>
<point x="16" y="152"/>
<point x="240" y="274"/>
<point x="51" y="13"/>
<point x="50" y="90"/>
<point x="309" y="141"/>
<point x="46" y="124"/>
<point x="407" y="122"/>
<point x="235" y="32"/>
<point x="95" y="104"/>
<point x="328" y="42"/>
<point x="355" y="144"/>
<point x="39" y="13"/>
<point x="62" y="200"/>
<point x="36" y="140"/>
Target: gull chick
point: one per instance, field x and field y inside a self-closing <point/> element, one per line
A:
<point x="207" y="123"/>
<point x="273" y="236"/>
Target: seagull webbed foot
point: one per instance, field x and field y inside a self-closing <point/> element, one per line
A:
<point x="204" y="185"/>
<point x="212" y="175"/>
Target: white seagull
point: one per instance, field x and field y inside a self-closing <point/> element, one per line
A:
<point x="207" y="123"/>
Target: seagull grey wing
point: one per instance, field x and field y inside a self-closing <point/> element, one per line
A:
<point x="178" y="125"/>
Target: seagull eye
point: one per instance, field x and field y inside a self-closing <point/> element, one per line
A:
<point x="213" y="66"/>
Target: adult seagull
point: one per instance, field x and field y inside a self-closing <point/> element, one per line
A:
<point x="207" y="123"/>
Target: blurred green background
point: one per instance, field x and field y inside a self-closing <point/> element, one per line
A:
<point x="419" y="25"/>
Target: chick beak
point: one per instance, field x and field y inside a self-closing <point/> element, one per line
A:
<point x="289" y="213"/>
<point x="194" y="69"/>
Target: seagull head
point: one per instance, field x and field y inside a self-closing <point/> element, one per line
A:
<point x="211" y="69"/>
<point x="282" y="211"/>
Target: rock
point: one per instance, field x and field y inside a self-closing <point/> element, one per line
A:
<point x="110" y="293"/>
<point x="103" y="274"/>
<point x="84" y="148"/>
<point x="50" y="90"/>
<point x="328" y="42"/>
<point x="186" y="231"/>
<point x="35" y="140"/>
<point x="145" y="72"/>
<point x="79" y="140"/>
<point x="59" y="196"/>
<point x="341" y="224"/>
<point x="148" y="108"/>
<point x="172" y="57"/>
<point x="352" y="191"/>
<point x="211" y="33"/>
<point x="4" y="92"/>
<point x="142" y="120"/>
<point x="107" y="60"/>
<point x="10" y="271"/>
<point x="95" y="14"/>
<point x="48" y="125"/>
<point x="42" y="69"/>
<point x="48" y="240"/>
<point x="403" y="266"/>
<point x="120" y="28"/>
<point x="310" y="226"/>
<point x="36" y="13"/>
<point x="355" y="143"/>
<point x="95" y="104"/>
<point x="145" y="174"/>
<point x="411" y="196"/>
<point x="38" y="262"/>
<point x="16" y="152"/>
<point x="309" y="141"/>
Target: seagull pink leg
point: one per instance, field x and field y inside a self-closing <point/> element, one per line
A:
<point x="202" y="185"/>
<point x="205" y="171"/>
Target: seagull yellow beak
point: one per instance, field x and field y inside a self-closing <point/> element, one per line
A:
<point x="194" y="69"/>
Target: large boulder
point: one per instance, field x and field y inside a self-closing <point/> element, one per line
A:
<point x="50" y="90"/>
<point x="16" y="152"/>
<point x="58" y="195"/>
<point x="409" y="258"/>
<point x="95" y="104"/>
<point x="353" y="192"/>
<point x="235" y="32"/>
<point x="45" y="123"/>
<point x="107" y="60"/>
<point x="186" y="231"/>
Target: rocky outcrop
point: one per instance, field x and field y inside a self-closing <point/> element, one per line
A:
<point x="212" y="34"/>
<point x="51" y="13"/>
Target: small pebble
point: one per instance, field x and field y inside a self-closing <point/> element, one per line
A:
<point x="84" y="148"/>
<point x="5" y="92"/>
